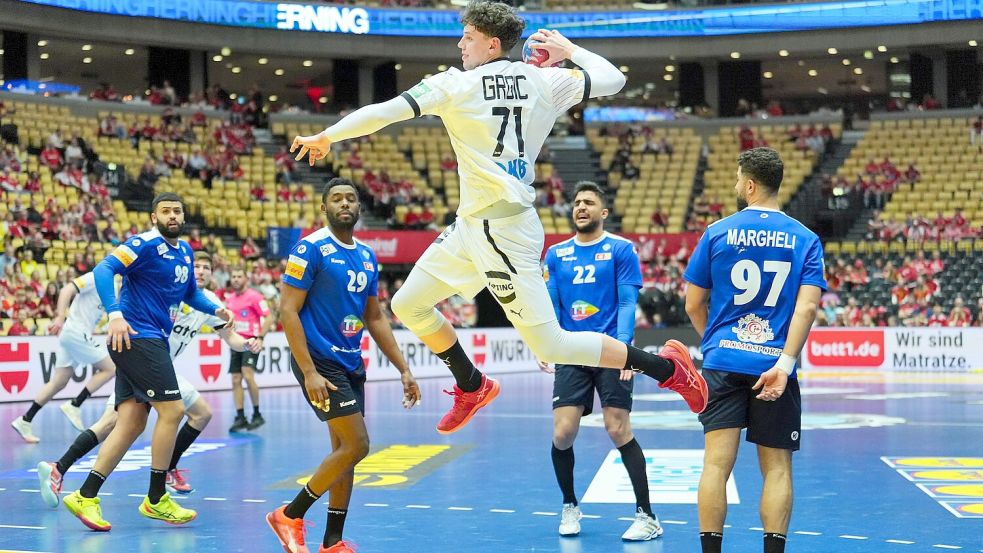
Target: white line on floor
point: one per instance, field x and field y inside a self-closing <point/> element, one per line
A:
<point x="23" y="527"/>
<point x="134" y="495"/>
<point x="544" y="513"/>
<point x="418" y="506"/>
<point x="30" y="491"/>
<point x="849" y="537"/>
<point x="215" y="499"/>
<point x="504" y="511"/>
<point x="943" y="546"/>
<point x="674" y="522"/>
<point x="376" y="504"/>
<point x="756" y="529"/>
<point x="254" y="501"/>
<point x="627" y="518"/>
<point x="901" y="542"/>
<point x="591" y="516"/>
<point x="807" y="533"/>
<point x="460" y="508"/>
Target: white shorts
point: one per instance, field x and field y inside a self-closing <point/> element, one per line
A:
<point x="75" y="348"/>
<point x="189" y="394"/>
<point x="502" y="255"/>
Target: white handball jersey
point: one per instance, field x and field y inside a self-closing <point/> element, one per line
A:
<point x="189" y="321"/>
<point x="86" y="309"/>
<point x="498" y="115"/>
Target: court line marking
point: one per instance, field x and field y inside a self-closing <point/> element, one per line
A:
<point x="254" y="501"/>
<point x="133" y="495"/>
<point x="674" y="522"/>
<point x="418" y="506"/>
<point x="505" y="511"/>
<point x="590" y="516"/>
<point x="23" y="527"/>
<point x="849" y="537"/>
<point x="901" y="542"/>
<point x="631" y="519"/>
<point x="807" y="533"/>
<point x="944" y="546"/>
<point x="460" y="508"/>
<point x="368" y="504"/>
<point x="544" y="513"/>
<point x="756" y="529"/>
<point x="29" y="491"/>
<point x="215" y="499"/>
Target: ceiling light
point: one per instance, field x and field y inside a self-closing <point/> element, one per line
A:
<point x="322" y="100"/>
<point x="822" y="90"/>
<point x="973" y="43"/>
<point x="44" y="56"/>
<point x="226" y="51"/>
<point x="308" y="63"/>
<point x="398" y="66"/>
<point x="623" y="69"/>
<point x="832" y="51"/>
<point x="858" y="71"/>
<point x="868" y="54"/>
<point x="233" y="96"/>
<point x="670" y="68"/>
<point x="42" y="43"/>
<point x="783" y="53"/>
<point x="273" y="98"/>
<point x="216" y="57"/>
<point x="882" y="48"/>
<point x="1" y="51"/>
<point x="865" y="88"/>
<point x="237" y="69"/>
<point x="441" y="67"/>
<point x="278" y="72"/>
<point x="768" y="74"/>
<point x="86" y="60"/>
<point x="813" y="72"/>
<point x="86" y="47"/>
<point x="802" y="63"/>
<point x="735" y="55"/>
<point x="262" y="61"/>
<point x="894" y="59"/>
<point x="667" y="77"/>
<point x="846" y="61"/>
<point x="129" y="51"/>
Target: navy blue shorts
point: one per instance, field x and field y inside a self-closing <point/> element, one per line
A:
<point x="145" y="372"/>
<point x="574" y="385"/>
<point x="733" y="404"/>
<point x="347" y="400"/>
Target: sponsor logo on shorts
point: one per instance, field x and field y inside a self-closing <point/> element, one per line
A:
<point x="150" y="393"/>
<point x="555" y="399"/>
<point x="754" y="329"/>
<point x="581" y="310"/>
<point x="857" y="348"/>
<point x="351" y="325"/>
<point x="795" y="436"/>
<point x="347" y="403"/>
<point x="500" y="284"/>
<point x="172" y="391"/>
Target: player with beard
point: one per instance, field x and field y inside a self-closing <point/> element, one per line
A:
<point x="755" y="279"/>
<point x="324" y="329"/>
<point x="498" y="113"/>
<point x="158" y="275"/>
<point x="186" y="327"/>
<point x="593" y="280"/>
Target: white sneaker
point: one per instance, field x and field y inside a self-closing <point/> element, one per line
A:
<point x="24" y="429"/>
<point x="644" y="528"/>
<point x="74" y="415"/>
<point x="570" y="520"/>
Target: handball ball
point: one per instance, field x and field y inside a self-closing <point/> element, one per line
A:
<point x="533" y="56"/>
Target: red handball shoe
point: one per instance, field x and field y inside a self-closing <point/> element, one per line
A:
<point x="466" y="404"/>
<point x="290" y="531"/>
<point x="340" y="547"/>
<point x="685" y="381"/>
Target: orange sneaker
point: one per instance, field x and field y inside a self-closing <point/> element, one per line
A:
<point x="290" y="531"/>
<point x="685" y="381"/>
<point x="466" y="404"/>
<point x="340" y="547"/>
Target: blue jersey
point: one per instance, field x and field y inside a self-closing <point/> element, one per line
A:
<point x="157" y="277"/>
<point x="586" y="278"/>
<point x="339" y="279"/>
<point x="753" y="263"/>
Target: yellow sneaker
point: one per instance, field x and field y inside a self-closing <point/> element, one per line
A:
<point x="167" y="510"/>
<point x="87" y="510"/>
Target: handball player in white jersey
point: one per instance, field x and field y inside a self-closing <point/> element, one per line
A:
<point x="498" y="112"/>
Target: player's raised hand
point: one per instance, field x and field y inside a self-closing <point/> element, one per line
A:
<point x="411" y="391"/>
<point x="119" y="334"/>
<point x="556" y="45"/>
<point x="317" y="146"/>
<point x="317" y="390"/>
<point x="546" y="367"/>
<point x="772" y="384"/>
<point x="54" y="328"/>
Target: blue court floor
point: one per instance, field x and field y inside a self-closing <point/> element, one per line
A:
<point x="884" y="467"/>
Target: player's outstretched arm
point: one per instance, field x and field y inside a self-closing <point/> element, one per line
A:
<point x="361" y="122"/>
<point x="605" y="78"/>
<point x="378" y="326"/>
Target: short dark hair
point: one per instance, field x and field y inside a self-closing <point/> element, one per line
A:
<point x="204" y="256"/>
<point x="496" y="20"/>
<point x="764" y="166"/>
<point x="338" y="181"/>
<point x="166" y="197"/>
<point x="590" y="186"/>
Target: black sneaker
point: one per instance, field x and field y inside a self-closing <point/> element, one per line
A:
<point x="239" y="424"/>
<point x="257" y="421"/>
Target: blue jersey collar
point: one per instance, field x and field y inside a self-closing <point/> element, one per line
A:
<point x="593" y="242"/>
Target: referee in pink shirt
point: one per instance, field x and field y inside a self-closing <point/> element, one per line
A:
<point x="253" y="320"/>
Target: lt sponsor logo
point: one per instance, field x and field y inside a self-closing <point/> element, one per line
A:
<point x="673" y="477"/>
<point x="857" y="348"/>
<point x="396" y="466"/>
<point x="351" y="325"/>
<point x="581" y="310"/>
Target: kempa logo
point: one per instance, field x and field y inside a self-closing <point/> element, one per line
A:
<point x="347" y="403"/>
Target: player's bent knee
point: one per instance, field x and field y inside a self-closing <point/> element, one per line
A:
<point x="169" y="411"/>
<point x="422" y="320"/>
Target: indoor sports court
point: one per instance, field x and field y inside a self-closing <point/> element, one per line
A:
<point x="884" y="466"/>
